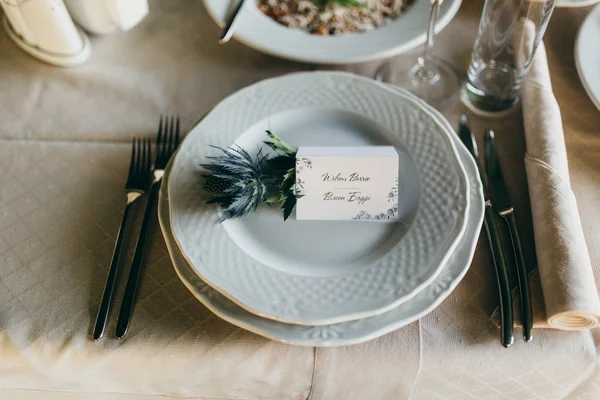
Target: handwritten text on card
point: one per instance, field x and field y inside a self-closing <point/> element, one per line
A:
<point x="347" y="183"/>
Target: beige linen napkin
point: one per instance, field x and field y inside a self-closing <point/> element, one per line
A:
<point x="570" y="296"/>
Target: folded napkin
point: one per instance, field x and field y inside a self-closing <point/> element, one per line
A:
<point x="568" y="299"/>
<point x="570" y="295"/>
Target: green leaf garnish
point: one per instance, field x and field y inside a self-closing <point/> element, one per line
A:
<point x="346" y="3"/>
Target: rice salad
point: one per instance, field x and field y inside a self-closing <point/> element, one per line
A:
<point x="331" y="17"/>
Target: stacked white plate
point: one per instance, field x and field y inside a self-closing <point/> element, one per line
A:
<point x="587" y="56"/>
<point x="326" y="283"/>
<point x="575" y="3"/>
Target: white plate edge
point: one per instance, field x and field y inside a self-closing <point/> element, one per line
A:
<point x="576" y="50"/>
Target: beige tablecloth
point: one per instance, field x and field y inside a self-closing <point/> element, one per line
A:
<point x="64" y="137"/>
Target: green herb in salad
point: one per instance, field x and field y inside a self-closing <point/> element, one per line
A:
<point x="346" y="3"/>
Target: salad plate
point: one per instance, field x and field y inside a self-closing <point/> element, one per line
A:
<point x="575" y="3"/>
<point x="322" y="272"/>
<point x="262" y="33"/>
<point x="587" y="56"/>
<point x="347" y="332"/>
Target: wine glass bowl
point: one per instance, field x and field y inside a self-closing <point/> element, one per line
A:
<point x="430" y="78"/>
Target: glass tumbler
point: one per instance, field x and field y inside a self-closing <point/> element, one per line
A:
<point x="509" y="34"/>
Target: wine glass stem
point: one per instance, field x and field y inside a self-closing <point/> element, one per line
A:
<point x="426" y="71"/>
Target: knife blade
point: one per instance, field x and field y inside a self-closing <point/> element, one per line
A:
<point x="504" y="208"/>
<point x="506" y="311"/>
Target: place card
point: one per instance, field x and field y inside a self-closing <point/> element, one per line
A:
<point x="347" y="183"/>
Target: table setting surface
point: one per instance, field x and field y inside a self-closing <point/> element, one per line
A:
<point x="65" y="141"/>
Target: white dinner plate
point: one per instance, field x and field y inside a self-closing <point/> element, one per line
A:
<point x="587" y="55"/>
<point x="575" y="3"/>
<point x="260" y="32"/>
<point x="322" y="272"/>
<point x="348" y="332"/>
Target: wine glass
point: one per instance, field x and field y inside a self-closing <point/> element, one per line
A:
<point x="430" y="78"/>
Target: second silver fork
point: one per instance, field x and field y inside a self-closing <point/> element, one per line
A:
<point x="167" y="141"/>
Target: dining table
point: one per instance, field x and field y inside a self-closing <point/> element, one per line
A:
<point x="65" y="137"/>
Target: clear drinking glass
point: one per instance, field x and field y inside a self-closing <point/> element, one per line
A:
<point x="430" y="78"/>
<point x="509" y="34"/>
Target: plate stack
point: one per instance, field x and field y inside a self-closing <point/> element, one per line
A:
<point x="326" y="283"/>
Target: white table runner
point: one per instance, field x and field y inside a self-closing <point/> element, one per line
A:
<point x="59" y="206"/>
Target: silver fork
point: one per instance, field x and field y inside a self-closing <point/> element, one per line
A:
<point x="137" y="183"/>
<point x="166" y="143"/>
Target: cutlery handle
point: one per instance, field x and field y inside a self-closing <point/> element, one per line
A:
<point x="136" y="266"/>
<point x="506" y="310"/>
<point x="227" y="31"/>
<point x="111" y="279"/>
<point x="526" y="311"/>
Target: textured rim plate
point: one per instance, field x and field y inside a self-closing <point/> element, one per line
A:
<point x="587" y="55"/>
<point x="394" y="273"/>
<point x="575" y="3"/>
<point x="262" y="33"/>
<point x="348" y="332"/>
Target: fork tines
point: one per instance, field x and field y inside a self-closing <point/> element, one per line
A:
<point x="140" y="166"/>
<point x="167" y="140"/>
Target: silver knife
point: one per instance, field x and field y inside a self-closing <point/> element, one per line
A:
<point x="504" y="208"/>
<point x="228" y="29"/>
<point x="489" y="222"/>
